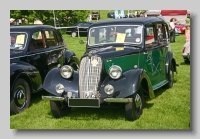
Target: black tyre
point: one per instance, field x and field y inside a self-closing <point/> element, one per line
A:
<point x="134" y="109"/>
<point x="20" y="97"/>
<point x="59" y="109"/>
<point x="170" y="77"/>
<point x="73" y="34"/>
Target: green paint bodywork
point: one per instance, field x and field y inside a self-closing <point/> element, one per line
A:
<point x="153" y="62"/>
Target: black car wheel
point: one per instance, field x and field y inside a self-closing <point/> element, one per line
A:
<point x="59" y="109"/>
<point x="134" y="109"/>
<point x="20" y="97"/>
<point x="170" y="77"/>
<point x="73" y="34"/>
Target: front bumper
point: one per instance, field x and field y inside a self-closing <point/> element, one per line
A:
<point x="78" y="102"/>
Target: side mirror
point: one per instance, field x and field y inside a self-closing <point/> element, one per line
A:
<point x="82" y="41"/>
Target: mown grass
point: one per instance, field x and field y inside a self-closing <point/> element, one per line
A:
<point x="169" y="110"/>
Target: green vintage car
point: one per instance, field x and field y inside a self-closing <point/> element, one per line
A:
<point x="125" y="60"/>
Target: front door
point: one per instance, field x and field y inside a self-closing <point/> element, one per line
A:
<point x="38" y="53"/>
<point x="152" y="56"/>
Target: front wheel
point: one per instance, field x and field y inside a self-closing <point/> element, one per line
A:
<point x="59" y="109"/>
<point x="20" y="97"/>
<point x="134" y="109"/>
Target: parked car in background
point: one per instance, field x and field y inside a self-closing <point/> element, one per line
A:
<point x="181" y="27"/>
<point x="186" y="52"/>
<point x="111" y="15"/>
<point x="96" y="15"/>
<point x="177" y="31"/>
<point x="34" y="51"/>
<point x="129" y="62"/>
<point x="82" y="27"/>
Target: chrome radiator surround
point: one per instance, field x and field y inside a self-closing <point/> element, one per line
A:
<point x="89" y="76"/>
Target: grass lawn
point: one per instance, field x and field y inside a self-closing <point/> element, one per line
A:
<point x="169" y="110"/>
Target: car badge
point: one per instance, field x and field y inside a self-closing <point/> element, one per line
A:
<point x="94" y="62"/>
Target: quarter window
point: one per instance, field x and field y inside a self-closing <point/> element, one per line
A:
<point x="58" y="35"/>
<point x="51" y="38"/>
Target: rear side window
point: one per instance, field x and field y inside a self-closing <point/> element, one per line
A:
<point x="149" y="38"/>
<point x="51" y="38"/>
<point x="59" y="37"/>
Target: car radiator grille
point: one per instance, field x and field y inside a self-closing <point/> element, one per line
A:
<point x="89" y="76"/>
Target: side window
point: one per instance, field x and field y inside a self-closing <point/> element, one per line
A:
<point x="59" y="37"/>
<point x="149" y="38"/>
<point x="51" y="39"/>
<point x="80" y="24"/>
<point x="160" y="32"/>
<point x="37" y="41"/>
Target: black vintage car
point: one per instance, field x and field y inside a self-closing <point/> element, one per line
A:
<point x="79" y="27"/>
<point x="34" y="50"/>
<point x="129" y="62"/>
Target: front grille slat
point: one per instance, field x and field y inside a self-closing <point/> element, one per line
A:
<point x="89" y="75"/>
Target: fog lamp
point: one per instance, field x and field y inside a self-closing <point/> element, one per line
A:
<point x="60" y="88"/>
<point x="109" y="89"/>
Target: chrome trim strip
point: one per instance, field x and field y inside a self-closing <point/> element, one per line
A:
<point x="37" y="53"/>
<point x="119" y="100"/>
<point x="55" y="98"/>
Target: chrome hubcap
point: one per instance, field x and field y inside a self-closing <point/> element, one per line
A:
<point x="138" y="102"/>
<point x="20" y="97"/>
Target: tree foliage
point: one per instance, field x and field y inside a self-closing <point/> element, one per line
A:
<point x="63" y="17"/>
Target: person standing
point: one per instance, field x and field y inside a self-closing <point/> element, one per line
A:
<point x="89" y="18"/>
<point x="172" y="25"/>
<point x="187" y="33"/>
<point x="187" y="20"/>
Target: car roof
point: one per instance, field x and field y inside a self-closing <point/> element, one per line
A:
<point x="30" y="27"/>
<point x="84" y="22"/>
<point x="139" y="20"/>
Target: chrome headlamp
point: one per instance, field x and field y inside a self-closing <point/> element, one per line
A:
<point x="66" y="71"/>
<point x="115" y="71"/>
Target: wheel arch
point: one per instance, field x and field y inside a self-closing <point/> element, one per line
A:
<point x="71" y="59"/>
<point x="146" y="85"/>
<point x="26" y="78"/>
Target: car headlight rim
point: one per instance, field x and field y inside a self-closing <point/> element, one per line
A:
<point x="66" y="71"/>
<point x="115" y="72"/>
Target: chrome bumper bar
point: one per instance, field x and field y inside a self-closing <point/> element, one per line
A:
<point x="55" y="98"/>
<point x="118" y="100"/>
<point x="115" y="100"/>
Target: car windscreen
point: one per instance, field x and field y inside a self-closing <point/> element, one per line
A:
<point x="18" y="40"/>
<point x="129" y="34"/>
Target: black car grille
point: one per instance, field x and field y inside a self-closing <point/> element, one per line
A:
<point x="89" y="76"/>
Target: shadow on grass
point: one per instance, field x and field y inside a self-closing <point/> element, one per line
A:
<point x="183" y="63"/>
<point x="109" y="113"/>
<point x="37" y="97"/>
